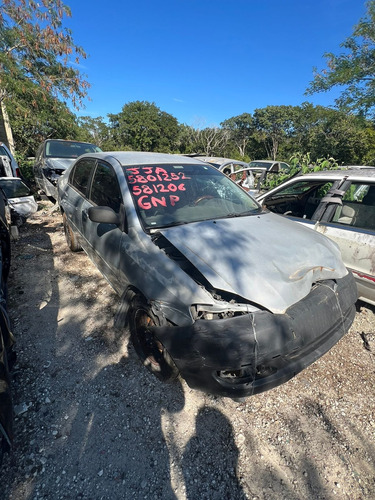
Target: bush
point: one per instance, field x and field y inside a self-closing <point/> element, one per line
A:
<point x="300" y="163"/>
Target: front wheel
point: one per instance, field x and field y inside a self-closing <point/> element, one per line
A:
<point x="150" y="350"/>
<point x="71" y="238"/>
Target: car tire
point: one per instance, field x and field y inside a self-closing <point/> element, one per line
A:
<point x="152" y="353"/>
<point x="71" y="238"/>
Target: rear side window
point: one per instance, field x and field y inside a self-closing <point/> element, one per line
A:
<point x="80" y="176"/>
<point x="105" y="189"/>
<point x="358" y="207"/>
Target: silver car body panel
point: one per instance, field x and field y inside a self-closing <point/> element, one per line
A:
<point x="60" y="163"/>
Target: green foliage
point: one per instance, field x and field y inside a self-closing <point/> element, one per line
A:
<point x="49" y="118"/>
<point x="273" y="125"/>
<point x="240" y="128"/>
<point x="94" y="130"/>
<point x="26" y="169"/>
<point x="35" y="47"/>
<point x="354" y="68"/>
<point x="300" y="163"/>
<point x="142" y="126"/>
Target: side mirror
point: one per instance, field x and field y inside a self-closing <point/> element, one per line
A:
<point x="104" y="214"/>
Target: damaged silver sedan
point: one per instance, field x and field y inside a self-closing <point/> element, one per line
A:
<point x="234" y="299"/>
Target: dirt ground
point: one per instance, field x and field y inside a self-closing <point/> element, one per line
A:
<point x="92" y="423"/>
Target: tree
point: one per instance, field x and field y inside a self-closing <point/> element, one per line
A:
<point x="354" y="69"/>
<point x="273" y="124"/>
<point x="32" y="124"/>
<point x="241" y="130"/>
<point x="142" y="126"/>
<point x="36" y="48"/>
<point x="95" y="130"/>
<point x="210" y="141"/>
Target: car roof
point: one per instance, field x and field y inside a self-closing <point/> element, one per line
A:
<point x="216" y="159"/>
<point x="68" y="140"/>
<point x="143" y="158"/>
<point x="267" y="161"/>
<point x="352" y="172"/>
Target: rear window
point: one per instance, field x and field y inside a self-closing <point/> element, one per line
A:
<point x="69" y="149"/>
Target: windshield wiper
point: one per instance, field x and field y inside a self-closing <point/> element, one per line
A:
<point x="170" y="224"/>
<point x="242" y="214"/>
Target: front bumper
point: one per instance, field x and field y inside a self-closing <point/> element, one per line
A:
<point x="252" y="353"/>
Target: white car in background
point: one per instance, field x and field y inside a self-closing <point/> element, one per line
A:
<point x="341" y="205"/>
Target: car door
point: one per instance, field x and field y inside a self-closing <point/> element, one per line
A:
<point x="74" y="196"/>
<point x="351" y="224"/>
<point x="103" y="240"/>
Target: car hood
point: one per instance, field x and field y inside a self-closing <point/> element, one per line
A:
<point x="266" y="259"/>
<point x="60" y="163"/>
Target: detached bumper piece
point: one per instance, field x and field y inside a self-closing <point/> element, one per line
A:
<point x="252" y="353"/>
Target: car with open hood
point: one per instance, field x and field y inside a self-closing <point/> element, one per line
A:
<point x="233" y="299"/>
<point x="53" y="157"/>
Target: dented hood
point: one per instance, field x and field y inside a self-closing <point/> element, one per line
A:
<point x="266" y="259"/>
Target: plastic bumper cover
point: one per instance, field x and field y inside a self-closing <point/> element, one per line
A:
<point x="252" y="353"/>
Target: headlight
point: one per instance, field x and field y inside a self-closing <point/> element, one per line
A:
<point x="221" y="310"/>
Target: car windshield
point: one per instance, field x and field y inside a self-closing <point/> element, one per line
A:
<point x="14" y="188"/>
<point x="169" y="195"/>
<point x="69" y="149"/>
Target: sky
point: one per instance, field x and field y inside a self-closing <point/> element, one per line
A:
<point x="204" y="61"/>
